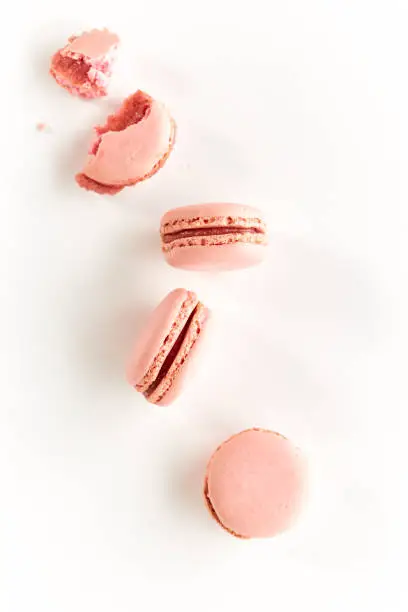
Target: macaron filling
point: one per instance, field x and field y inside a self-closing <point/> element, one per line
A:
<point x="214" y="231"/>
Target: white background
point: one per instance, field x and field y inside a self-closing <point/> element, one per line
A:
<point x="300" y="109"/>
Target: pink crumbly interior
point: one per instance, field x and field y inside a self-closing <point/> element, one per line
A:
<point x="80" y="75"/>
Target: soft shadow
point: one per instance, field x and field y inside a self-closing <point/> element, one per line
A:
<point x="324" y="297"/>
<point x="70" y="159"/>
<point x="319" y="286"/>
<point x="187" y="534"/>
<point x="163" y="77"/>
<point x="111" y="309"/>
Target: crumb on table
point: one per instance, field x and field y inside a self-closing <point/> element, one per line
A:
<point x="42" y="127"/>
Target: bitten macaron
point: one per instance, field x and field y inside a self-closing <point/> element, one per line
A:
<point x="216" y="236"/>
<point x="167" y="346"/>
<point x="132" y="146"/>
<point x="255" y="484"/>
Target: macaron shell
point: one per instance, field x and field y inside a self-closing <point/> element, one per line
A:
<point x="154" y="334"/>
<point x="216" y="258"/>
<point x="188" y="368"/>
<point x="125" y="156"/>
<point x="255" y="484"/>
<point x="212" y="209"/>
<point x="92" y="44"/>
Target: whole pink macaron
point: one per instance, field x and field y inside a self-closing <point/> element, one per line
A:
<point x="133" y="145"/>
<point x="167" y="347"/>
<point x="213" y="236"/>
<point x="255" y="484"/>
<point x="84" y="66"/>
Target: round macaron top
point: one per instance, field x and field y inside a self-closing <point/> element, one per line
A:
<point x="92" y="44"/>
<point x="255" y="484"/>
<point x="125" y="156"/>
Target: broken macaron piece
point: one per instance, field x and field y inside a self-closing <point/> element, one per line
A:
<point x="213" y="236"/>
<point x="84" y="66"/>
<point x="255" y="483"/>
<point x="167" y="346"/>
<point x="133" y="145"/>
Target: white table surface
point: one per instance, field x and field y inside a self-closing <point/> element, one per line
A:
<point x="299" y="108"/>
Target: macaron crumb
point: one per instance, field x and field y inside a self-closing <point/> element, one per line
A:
<point x="83" y="67"/>
<point x="43" y="127"/>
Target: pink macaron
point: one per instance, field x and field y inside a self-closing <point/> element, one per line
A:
<point x="167" y="347"/>
<point x="84" y="66"/>
<point x="133" y="145"/>
<point x="255" y="484"/>
<point x="213" y="236"/>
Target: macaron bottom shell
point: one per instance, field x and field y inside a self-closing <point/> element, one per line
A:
<point x="216" y="258"/>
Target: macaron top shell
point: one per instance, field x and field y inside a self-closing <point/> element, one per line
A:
<point x="124" y="156"/>
<point x="255" y="484"/>
<point x="92" y="44"/>
<point x="211" y="215"/>
<point x="214" y="236"/>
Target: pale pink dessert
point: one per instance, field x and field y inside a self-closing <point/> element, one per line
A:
<point x="84" y="66"/>
<point x="214" y="236"/>
<point x="167" y="347"/>
<point x="133" y="145"/>
<point x="255" y="484"/>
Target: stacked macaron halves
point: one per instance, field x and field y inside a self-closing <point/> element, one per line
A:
<point x="167" y="347"/>
<point x="214" y="236"/>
